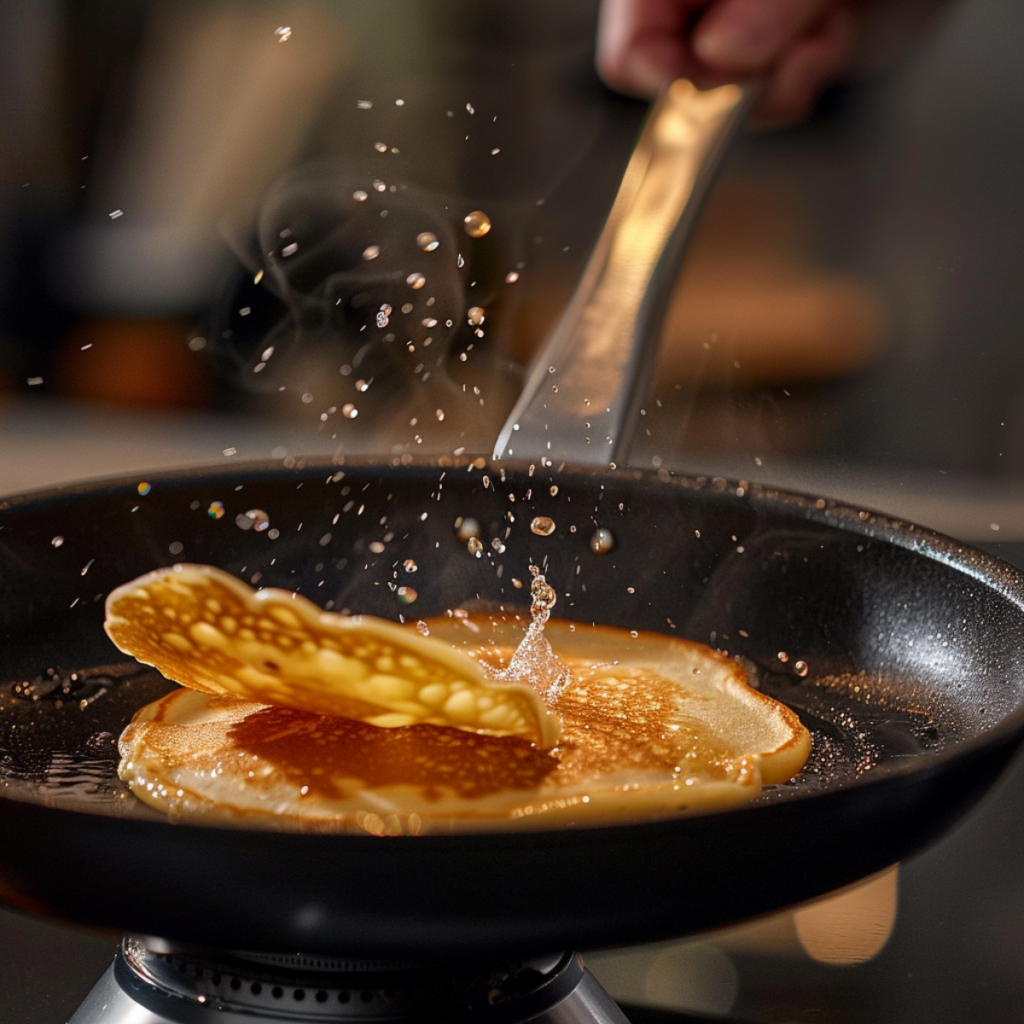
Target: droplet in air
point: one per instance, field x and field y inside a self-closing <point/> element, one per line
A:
<point x="144" y="488"/>
<point x="543" y="526"/>
<point x="381" y="147"/>
<point x="553" y="490"/>
<point x="427" y="241"/>
<point x="476" y="224"/>
<point x="371" y="252"/>
<point x="466" y="527"/>
<point x="409" y="565"/>
<point x="801" y="668"/>
<point x="284" y="33"/>
<point x="511" y="277"/>
<point x="57" y="541"/>
<point x="349" y="411"/>
<point x="416" y="281"/>
<point x="360" y="196"/>
<point x="602" y="541"/>
<point x="364" y="104"/>
<point x="474" y="546"/>
<point x="782" y="656"/>
<point x="258" y="277"/>
<point x="422" y="628"/>
<point x="380" y="186"/>
<point x="216" y="510"/>
<point x="254" y="519"/>
<point x="406" y="595"/>
<point x="382" y="319"/>
<point x="475" y="315"/>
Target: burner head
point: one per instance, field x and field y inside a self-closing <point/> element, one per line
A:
<point x="186" y="985"/>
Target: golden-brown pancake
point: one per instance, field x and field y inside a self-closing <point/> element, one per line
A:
<point x="207" y="630"/>
<point x="651" y="726"/>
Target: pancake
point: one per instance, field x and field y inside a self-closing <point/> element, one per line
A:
<point x="208" y="631"/>
<point x="650" y="726"/>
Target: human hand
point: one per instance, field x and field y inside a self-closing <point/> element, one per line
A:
<point x="793" y="47"/>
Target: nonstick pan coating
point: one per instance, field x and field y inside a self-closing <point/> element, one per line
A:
<point x="913" y="691"/>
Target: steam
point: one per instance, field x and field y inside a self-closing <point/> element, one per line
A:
<point x="374" y="281"/>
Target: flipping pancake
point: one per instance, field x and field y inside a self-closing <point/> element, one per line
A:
<point x="650" y="725"/>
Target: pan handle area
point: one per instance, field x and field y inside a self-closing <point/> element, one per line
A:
<point x="584" y="390"/>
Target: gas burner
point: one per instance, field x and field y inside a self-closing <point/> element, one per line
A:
<point x="155" y="983"/>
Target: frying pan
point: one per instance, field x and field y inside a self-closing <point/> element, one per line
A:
<point x="902" y="650"/>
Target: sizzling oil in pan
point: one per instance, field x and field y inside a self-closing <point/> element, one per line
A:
<point x="61" y="726"/>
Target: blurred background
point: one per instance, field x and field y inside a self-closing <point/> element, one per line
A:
<point x="237" y="229"/>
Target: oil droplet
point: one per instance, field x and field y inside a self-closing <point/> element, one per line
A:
<point x="416" y="281"/>
<point x="511" y="277"/>
<point x="427" y="241"/>
<point x="144" y="488"/>
<point x="543" y="526"/>
<point x="602" y="541"/>
<point x="216" y="510"/>
<point x="360" y="196"/>
<point x="801" y="668"/>
<point x="474" y="546"/>
<point x="57" y="541"/>
<point x="349" y="411"/>
<point x="406" y="595"/>
<point x="782" y="656"/>
<point x="475" y="315"/>
<point x="466" y="527"/>
<point x="476" y="224"/>
<point x="254" y="519"/>
<point x="371" y="252"/>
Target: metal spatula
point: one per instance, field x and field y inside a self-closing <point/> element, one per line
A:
<point x="584" y="390"/>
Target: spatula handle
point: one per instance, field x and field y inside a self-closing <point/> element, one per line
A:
<point x="584" y="389"/>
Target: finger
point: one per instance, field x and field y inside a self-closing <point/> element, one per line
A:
<point x="751" y="35"/>
<point x="794" y="85"/>
<point x="642" y="44"/>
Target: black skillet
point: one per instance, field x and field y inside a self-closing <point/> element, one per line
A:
<point x="914" y="647"/>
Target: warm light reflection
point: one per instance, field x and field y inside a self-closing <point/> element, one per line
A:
<point x="853" y="926"/>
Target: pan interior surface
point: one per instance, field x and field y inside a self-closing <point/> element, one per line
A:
<point x="901" y="651"/>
